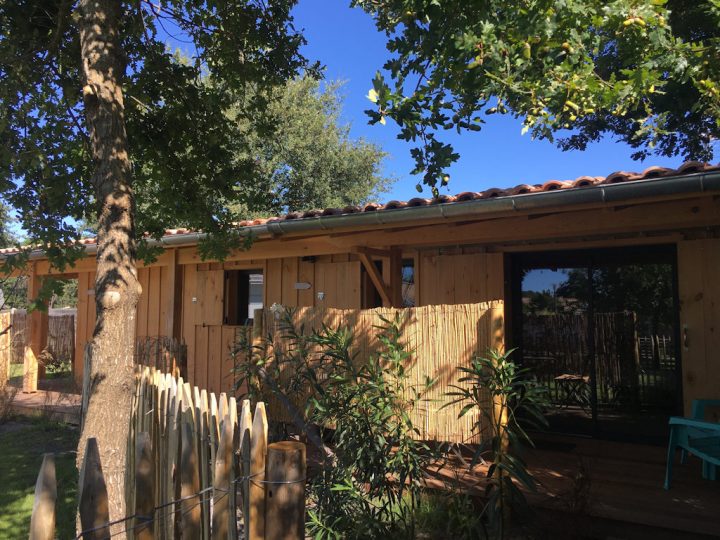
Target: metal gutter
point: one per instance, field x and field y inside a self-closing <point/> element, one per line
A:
<point x="611" y="193"/>
<point x="600" y="194"/>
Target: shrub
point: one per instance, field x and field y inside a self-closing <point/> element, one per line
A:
<point x="508" y="399"/>
<point x="369" y="485"/>
<point x="7" y="396"/>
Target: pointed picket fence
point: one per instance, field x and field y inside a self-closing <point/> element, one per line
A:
<point x="196" y="469"/>
<point x="206" y="456"/>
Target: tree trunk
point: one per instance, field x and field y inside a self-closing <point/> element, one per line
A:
<point x="116" y="285"/>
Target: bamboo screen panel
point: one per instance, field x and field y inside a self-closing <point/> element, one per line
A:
<point x="440" y="338"/>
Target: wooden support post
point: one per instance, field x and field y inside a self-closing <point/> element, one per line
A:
<point x="285" y="501"/>
<point x="30" y="371"/>
<point x="257" y="328"/>
<point x="144" y="488"/>
<point x="396" y="278"/>
<point x="94" y="509"/>
<point x="42" y="522"/>
<point x="376" y="278"/>
<point x="255" y="521"/>
<point x="5" y="347"/>
<point x="37" y="323"/>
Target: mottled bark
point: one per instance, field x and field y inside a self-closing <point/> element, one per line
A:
<point x="116" y="286"/>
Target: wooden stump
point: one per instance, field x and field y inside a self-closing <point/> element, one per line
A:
<point x="30" y="372"/>
<point x="285" y="491"/>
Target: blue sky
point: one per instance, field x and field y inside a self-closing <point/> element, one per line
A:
<point x="346" y="42"/>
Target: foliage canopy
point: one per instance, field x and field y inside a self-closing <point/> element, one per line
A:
<point x="188" y="155"/>
<point x="645" y="71"/>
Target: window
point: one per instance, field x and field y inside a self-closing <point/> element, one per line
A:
<point x="243" y="295"/>
<point x="409" y="298"/>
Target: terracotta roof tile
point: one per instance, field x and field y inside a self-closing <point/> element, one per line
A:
<point x="418" y="201"/>
<point x="581" y="182"/>
<point x="467" y="196"/>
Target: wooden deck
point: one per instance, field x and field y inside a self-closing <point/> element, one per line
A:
<point x="601" y="489"/>
<point x="59" y="406"/>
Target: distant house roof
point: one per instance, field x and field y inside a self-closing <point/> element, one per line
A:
<point x="619" y="177"/>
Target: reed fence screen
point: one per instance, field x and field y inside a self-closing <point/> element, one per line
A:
<point x="440" y="338"/>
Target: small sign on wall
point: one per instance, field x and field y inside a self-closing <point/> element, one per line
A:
<point x="302" y="285"/>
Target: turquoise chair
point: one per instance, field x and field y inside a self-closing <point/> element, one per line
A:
<point x="696" y="436"/>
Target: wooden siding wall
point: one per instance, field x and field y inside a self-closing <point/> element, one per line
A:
<point x="337" y="276"/>
<point x="699" y="291"/>
<point x="209" y="341"/>
<point x="154" y="315"/>
<point x="459" y="276"/>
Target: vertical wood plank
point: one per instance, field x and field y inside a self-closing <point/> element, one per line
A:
<point x="245" y="428"/>
<point x="144" y="525"/>
<point x="223" y="521"/>
<point x="209" y="294"/>
<point x="258" y="449"/>
<point x="81" y="337"/>
<point x="306" y="274"/>
<point x="189" y="303"/>
<point x="692" y="318"/>
<point x="227" y="374"/>
<point x="153" y="306"/>
<point x="94" y="510"/>
<point x="395" y="281"/>
<point x="289" y="278"/>
<point x="189" y="478"/>
<point x="141" y="324"/>
<point x="201" y="356"/>
<point x="215" y="359"/>
<point x="273" y="282"/>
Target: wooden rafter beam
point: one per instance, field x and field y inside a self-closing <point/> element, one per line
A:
<point x="376" y="278"/>
<point x="371" y="252"/>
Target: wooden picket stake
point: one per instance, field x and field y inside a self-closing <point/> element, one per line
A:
<point x="144" y="488"/>
<point x="258" y="448"/>
<point x="173" y="454"/>
<point x="94" y="509"/>
<point x="213" y="426"/>
<point x="232" y="420"/>
<point x="42" y="521"/>
<point x="223" y="521"/>
<point x="202" y="445"/>
<point x="189" y="477"/>
<point x="245" y="429"/>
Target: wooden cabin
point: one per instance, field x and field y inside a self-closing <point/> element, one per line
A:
<point x="472" y="247"/>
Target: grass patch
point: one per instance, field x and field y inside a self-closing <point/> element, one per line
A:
<point x="22" y="445"/>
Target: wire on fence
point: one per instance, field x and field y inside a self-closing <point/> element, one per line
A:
<point x="146" y="520"/>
